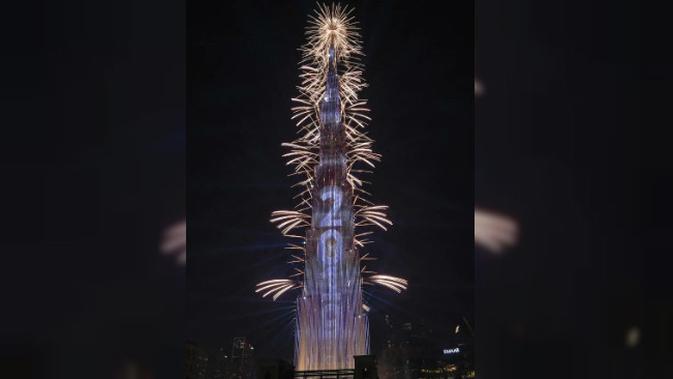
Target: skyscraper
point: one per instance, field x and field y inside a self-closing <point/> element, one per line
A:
<point x="331" y="316"/>
<point x="196" y="361"/>
<point x="241" y="363"/>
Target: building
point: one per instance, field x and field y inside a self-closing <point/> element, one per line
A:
<point x="333" y="214"/>
<point x="218" y="363"/>
<point x="240" y="364"/>
<point x="196" y="362"/>
<point x="412" y="351"/>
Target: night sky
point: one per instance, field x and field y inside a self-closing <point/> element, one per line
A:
<point x="242" y="72"/>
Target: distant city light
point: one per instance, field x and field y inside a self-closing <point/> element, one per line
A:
<point x="455" y="350"/>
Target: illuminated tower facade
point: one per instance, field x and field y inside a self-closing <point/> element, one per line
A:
<point x="332" y="210"/>
<point x="332" y="324"/>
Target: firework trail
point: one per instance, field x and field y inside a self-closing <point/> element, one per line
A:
<point x="333" y="217"/>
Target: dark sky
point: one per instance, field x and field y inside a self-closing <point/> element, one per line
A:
<point x="242" y="72"/>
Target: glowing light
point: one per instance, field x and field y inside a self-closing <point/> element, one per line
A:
<point x="455" y="350"/>
<point x="174" y="242"/>
<point x="479" y="88"/>
<point x="632" y="337"/>
<point x="493" y="231"/>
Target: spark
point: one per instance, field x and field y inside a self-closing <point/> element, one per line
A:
<point x="277" y="286"/>
<point x="392" y="282"/>
<point x="479" y="88"/>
